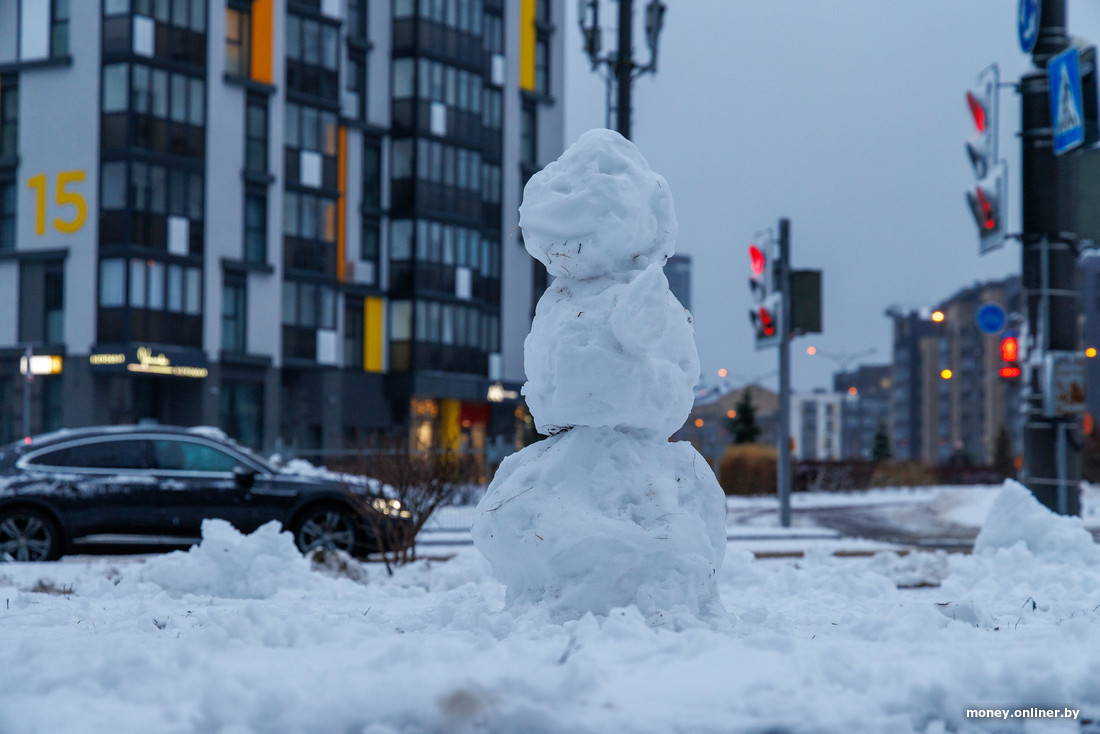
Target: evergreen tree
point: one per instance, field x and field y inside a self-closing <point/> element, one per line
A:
<point x="743" y="424"/>
<point x="881" y="450"/>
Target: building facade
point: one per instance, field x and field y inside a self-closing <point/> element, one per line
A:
<point x="815" y="421"/>
<point x="949" y="400"/>
<point x="291" y="219"/>
<point x="864" y="408"/>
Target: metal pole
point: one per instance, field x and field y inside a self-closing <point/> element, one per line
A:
<point x="1049" y="272"/>
<point x="625" y="66"/>
<point x="783" y="439"/>
<point x="28" y="379"/>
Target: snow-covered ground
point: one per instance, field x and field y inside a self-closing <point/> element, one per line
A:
<point x="241" y="635"/>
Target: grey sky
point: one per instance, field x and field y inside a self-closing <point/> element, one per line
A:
<point x="846" y="116"/>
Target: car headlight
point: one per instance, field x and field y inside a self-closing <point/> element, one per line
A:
<point x="392" y="508"/>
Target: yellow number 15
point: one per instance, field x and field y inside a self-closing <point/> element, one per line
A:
<point x="64" y="197"/>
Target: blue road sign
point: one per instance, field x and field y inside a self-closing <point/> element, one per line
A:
<point x="1027" y="24"/>
<point x="990" y="318"/>
<point x="1067" y="113"/>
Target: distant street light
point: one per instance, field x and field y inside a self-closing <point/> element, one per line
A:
<point x="843" y="359"/>
<point x="621" y="68"/>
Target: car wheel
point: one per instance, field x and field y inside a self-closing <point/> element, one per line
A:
<point x="28" y="535"/>
<point x="327" y="528"/>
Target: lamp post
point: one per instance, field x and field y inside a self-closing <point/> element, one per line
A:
<point x="620" y="66"/>
<point x="843" y="359"/>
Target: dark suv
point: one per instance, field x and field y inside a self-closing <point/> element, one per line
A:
<point x="150" y="484"/>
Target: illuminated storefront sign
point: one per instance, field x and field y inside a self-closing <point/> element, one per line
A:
<point x="149" y="361"/>
<point x="41" y="364"/>
<point x="497" y="393"/>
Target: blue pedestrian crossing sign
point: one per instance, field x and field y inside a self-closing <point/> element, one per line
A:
<point x="1067" y="115"/>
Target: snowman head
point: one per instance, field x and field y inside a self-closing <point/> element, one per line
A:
<point x="598" y="210"/>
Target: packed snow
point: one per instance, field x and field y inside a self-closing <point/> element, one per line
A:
<point x="240" y="634"/>
<point x="611" y="366"/>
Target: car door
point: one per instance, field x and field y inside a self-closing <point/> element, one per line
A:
<point x="103" y="484"/>
<point x="201" y="480"/>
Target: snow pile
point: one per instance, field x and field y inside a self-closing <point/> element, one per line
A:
<point x="1029" y="564"/>
<point x="1017" y="517"/>
<point x="230" y="565"/>
<point x="605" y="513"/>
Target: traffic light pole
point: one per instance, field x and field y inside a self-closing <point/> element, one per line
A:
<point x="1052" y="457"/>
<point x="783" y="432"/>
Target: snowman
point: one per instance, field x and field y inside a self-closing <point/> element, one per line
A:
<point x="605" y="512"/>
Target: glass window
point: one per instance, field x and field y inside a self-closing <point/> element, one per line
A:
<point x="124" y="454"/>
<point x="175" y="288"/>
<point x="307" y="305"/>
<point x="179" y="98"/>
<point x="113" y="185"/>
<point x="401" y="236"/>
<point x="9" y="120"/>
<point x="115" y="88"/>
<point x="182" y="455"/>
<point x="196" y="100"/>
<point x="59" y="28"/>
<point x="137" y="283"/>
<point x="290" y="303"/>
<point x="255" y="228"/>
<point x="372" y="174"/>
<point x="236" y="41"/>
<point x="400" y="320"/>
<point x="7" y="215"/>
<point x="159" y="100"/>
<point x="156" y="284"/>
<point x="233" y="315"/>
<point x="112" y="283"/>
<point x="192" y="291"/>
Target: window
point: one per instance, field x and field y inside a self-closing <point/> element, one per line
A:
<point x="237" y="49"/>
<point x="42" y="301"/>
<point x="372" y="174"/>
<point x="109" y="455"/>
<point x="255" y="226"/>
<point x="312" y="58"/>
<point x="234" y="316"/>
<point x="242" y="411"/>
<point x="255" y="155"/>
<point x="7" y="215"/>
<point x="59" y="28"/>
<point x="9" y="119"/>
<point x="172" y="455"/>
<point x="353" y="333"/>
<point x="542" y="65"/>
<point x="528" y="137"/>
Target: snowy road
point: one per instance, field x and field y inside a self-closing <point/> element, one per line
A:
<point x="240" y="636"/>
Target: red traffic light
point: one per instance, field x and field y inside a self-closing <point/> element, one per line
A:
<point x="977" y="110"/>
<point x="985" y="207"/>
<point x="1010" y="351"/>
<point x="767" y="322"/>
<point x="1010" y="372"/>
<point x="757" y="261"/>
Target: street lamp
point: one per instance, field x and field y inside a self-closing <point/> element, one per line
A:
<point x="843" y="359"/>
<point x="620" y="66"/>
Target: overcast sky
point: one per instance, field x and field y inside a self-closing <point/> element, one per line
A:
<point x="848" y="117"/>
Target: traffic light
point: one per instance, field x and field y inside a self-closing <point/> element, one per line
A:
<point x="988" y="198"/>
<point x="1010" y="356"/>
<point x="764" y="314"/>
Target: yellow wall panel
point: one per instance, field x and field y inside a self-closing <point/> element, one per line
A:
<point x="373" y="313"/>
<point x="527" y="45"/>
<point x="263" y="41"/>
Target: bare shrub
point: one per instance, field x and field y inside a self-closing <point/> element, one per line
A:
<point x="417" y="484"/>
